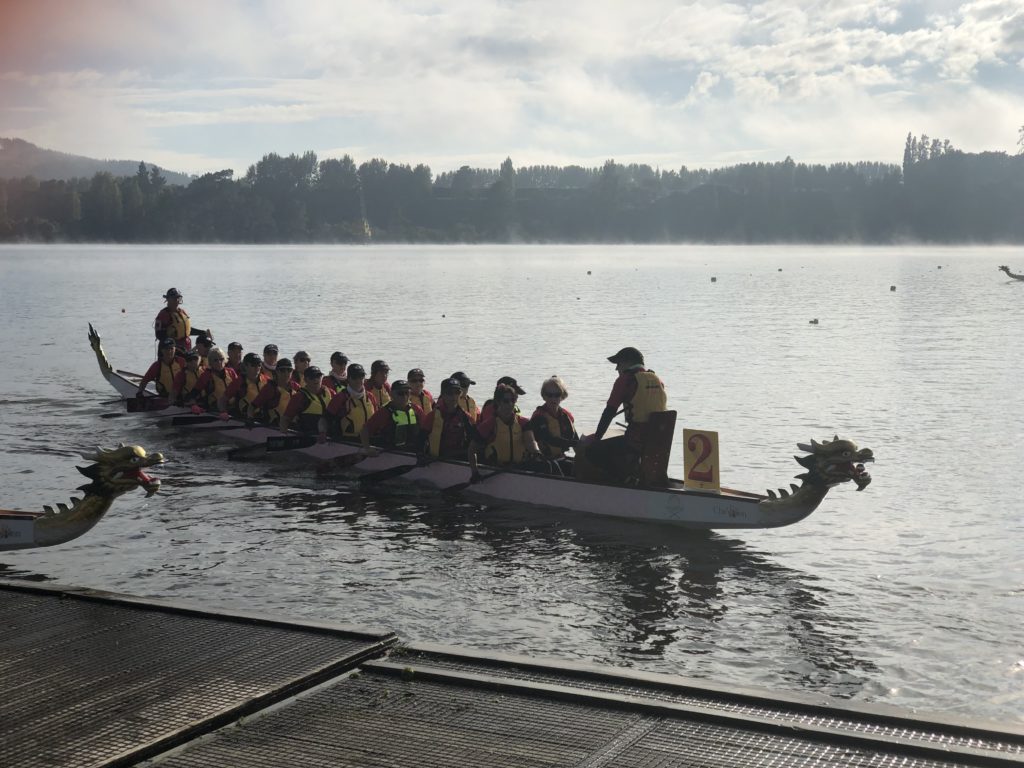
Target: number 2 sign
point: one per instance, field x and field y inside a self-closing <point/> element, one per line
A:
<point x="700" y="459"/>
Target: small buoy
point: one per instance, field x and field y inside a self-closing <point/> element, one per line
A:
<point x="714" y="279"/>
<point x="940" y="266"/>
<point x="892" y="287"/>
<point x="814" y="321"/>
<point x="588" y="271"/>
<point x="444" y="315"/>
<point x="780" y="269"/>
<point x="122" y="310"/>
<point x="577" y="298"/>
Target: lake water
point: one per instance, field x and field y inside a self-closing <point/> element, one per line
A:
<point x="910" y="593"/>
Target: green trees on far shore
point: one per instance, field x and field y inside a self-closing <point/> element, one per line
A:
<point x="939" y="194"/>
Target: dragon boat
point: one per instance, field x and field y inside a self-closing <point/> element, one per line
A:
<point x="115" y="471"/>
<point x="826" y="464"/>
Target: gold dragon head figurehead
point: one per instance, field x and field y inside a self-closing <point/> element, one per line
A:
<point x="119" y="470"/>
<point x="833" y="462"/>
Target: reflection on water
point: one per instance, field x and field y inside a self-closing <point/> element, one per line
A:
<point x="908" y="593"/>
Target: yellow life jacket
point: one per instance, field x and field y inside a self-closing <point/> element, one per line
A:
<point x="649" y="398"/>
<point x="215" y="387"/>
<point x="382" y="395"/>
<point x="405" y="425"/>
<point x="180" y="326"/>
<point x="189" y="382"/>
<point x="468" y="404"/>
<point x="506" y="447"/>
<point x="315" y="410"/>
<point x="437" y="432"/>
<point x="165" y="381"/>
<point x="274" y="414"/>
<point x="358" y="411"/>
<point x="250" y="389"/>
<point x="423" y="400"/>
<point x="555" y="430"/>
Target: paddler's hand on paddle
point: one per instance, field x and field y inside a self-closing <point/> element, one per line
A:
<point x="223" y="415"/>
<point x="196" y="410"/>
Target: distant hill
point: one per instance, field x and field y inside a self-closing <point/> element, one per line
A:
<point x="19" y="158"/>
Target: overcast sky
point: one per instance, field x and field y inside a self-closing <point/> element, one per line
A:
<point x="201" y="86"/>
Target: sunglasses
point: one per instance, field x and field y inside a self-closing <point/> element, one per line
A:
<point x="550" y="394"/>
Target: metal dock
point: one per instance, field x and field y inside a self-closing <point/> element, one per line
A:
<point x="96" y="679"/>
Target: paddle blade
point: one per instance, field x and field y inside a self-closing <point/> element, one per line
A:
<point x="184" y="421"/>
<point x="290" y="442"/>
<point x="140" y="404"/>
<point x="339" y="462"/>
<point x="385" y="474"/>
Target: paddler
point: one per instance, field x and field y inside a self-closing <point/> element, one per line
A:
<point x="172" y="322"/>
<point x="639" y="393"/>
<point x="274" y="396"/>
<point x="203" y="345"/>
<point x="418" y="395"/>
<point x="213" y="382"/>
<point x="467" y="403"/>
<point x="506" y="439"/>
<point x="554" y="427"/>
<point x="269" y="358"/>
<point x="396" y="425"/>
<point x="487" y="409"/>
<point x="235" y="358"/>
<point x="302" y="362"/>
<point x="447" y="429"/>
<point x="163" y="370"/>
<point x="239" y="398"/>
<point x="183" y="392"/>
<point x="336" y="379"/>
<point x="353" y="406"/>
<point x="307" y="409"/>
<point x="377" y="385"/>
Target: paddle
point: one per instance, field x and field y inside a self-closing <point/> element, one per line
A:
<point x="276" y="443"/>
<point x="184" y="421"/>
<point x="146" y="403"/>
<point x="463" y="486"/>
<point x="129" y="373"/>
<point x="386" y="474"/>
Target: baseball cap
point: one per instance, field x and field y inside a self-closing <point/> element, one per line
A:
<point x="192" y="354"/>
<point x="627" y="355"/>
<point x="400" y="385"/>
<point x="172" y="293"/>
<point x="284" y="364"/>
<point x="166" y="343"/>
<point x="313" y="372"/>
<point x="356" y="371"/>
<point x="379" y="365"/>
<point x="339" y="357"/>
<point x="235" y="345"/>
<point x="416" y="373"/>
<point x="205" y="340"/>
<point x="463" y="379"/>
<point x="252" y="359"/>
<point x="509" y="381"/>
<point x="451" y="385"/>
<point x="270" y="348"/>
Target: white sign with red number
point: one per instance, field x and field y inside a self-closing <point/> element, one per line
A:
<point x="700" y="460"/>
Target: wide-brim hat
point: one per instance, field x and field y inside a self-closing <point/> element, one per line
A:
<point x="173" y="293"/>
<point x="510" y="382"/>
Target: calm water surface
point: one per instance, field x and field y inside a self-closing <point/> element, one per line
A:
<point x="910" y="593"/>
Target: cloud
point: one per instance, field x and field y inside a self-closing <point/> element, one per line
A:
<point x="450" y="81"/>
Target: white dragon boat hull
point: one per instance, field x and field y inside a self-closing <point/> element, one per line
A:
<point x="688" y="508"/>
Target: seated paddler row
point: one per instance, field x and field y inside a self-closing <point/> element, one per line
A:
<point x="348" y="404"/>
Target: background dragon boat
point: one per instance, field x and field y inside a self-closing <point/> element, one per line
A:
<point x="114" y="472"/>
<point x="826" y="464"/>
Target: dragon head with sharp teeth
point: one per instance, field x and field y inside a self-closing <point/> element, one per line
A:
<point x="119" y="470"/>
<point x="833" y="462"/>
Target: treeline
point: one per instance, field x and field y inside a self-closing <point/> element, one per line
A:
<point x="939" y="194"/>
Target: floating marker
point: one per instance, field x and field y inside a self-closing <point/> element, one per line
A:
<point x="940" y="266"/>
<point x="892" y="287"/>
<point x="780" y="269"/>
<point x="814" y="321"/>
<point x="588" y="271"/>
<point x="122" y="310"/>
<point x="443" y="315"/>
<point x="714" y="279"/>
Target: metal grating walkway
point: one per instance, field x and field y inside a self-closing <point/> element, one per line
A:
<point x="90" y="679"/>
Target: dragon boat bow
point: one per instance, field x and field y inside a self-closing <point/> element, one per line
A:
<point x="826" y="464"/>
